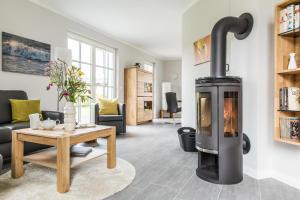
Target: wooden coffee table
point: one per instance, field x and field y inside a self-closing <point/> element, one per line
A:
<point x="59" y="158"/>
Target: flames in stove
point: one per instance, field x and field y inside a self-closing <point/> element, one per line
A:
<point x="231" y="115"/>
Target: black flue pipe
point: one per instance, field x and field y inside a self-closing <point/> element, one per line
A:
<point x="240" y="26"/>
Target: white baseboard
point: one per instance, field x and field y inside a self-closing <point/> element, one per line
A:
<point x="289" y="180"/>
<point x="250" y="172"/>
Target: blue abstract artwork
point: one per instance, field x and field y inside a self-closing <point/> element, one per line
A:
<point x="22" y="55"/>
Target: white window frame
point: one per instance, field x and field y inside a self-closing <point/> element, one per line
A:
<point x="93" y="85"/>
<point x="150" y="64"/>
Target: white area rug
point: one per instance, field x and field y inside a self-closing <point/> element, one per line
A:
<point x="90" y="180"/>
<point x="167" y="120"/>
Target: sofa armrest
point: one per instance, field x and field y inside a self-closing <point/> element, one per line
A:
<point x="122" y="109"/>
<point x="96" y="113"/>
<point x="1" y="163"/>
<point x="53" y="115"/>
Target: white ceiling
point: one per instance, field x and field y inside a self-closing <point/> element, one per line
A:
<point x="151" y="25"/>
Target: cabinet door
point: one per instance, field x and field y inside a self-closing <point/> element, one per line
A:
<point x="144" y="84"/>
<point x="145" y="111"/>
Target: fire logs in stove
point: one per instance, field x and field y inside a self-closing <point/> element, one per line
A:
<point x="219" y="137"/>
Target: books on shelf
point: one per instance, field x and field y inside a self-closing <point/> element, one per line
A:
<point x="289" y="98"/>
<point x="283" y="20"/>
<point x="297" y="16"/>
<point x="290" y="18"/>
<point x="78" y="151"/>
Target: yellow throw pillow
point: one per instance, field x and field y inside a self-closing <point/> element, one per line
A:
<point x="21" y="109"/>
<point x="108" y="107"/>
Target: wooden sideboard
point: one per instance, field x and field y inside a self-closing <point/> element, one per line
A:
<point x="138" y="95"/>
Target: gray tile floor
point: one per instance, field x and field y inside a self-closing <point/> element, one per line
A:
<point x="165" y="172"/>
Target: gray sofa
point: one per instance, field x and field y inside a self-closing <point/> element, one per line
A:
<point x="6" y="125"/>
<point x="119" y="121"/>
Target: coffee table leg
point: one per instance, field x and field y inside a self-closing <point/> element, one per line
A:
<point x="111" y="149"/>
<point x="63" y="164"/>
<point x="17" y="169"/>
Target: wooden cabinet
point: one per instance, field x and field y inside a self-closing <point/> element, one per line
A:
<point x="144" y="83"/>
<point x="138" y="95"/>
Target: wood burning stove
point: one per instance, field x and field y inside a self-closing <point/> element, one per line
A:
<point x="219" y="138"/>
<point x="219" y="129"/>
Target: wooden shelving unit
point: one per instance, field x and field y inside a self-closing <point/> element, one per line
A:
<point x="285" y="43"/>
<point x="138" y="95"/>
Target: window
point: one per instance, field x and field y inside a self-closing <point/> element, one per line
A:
<point x="98" y="64"/>
<point x="148" y="66"/>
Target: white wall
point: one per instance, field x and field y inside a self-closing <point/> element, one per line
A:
<point x="31" y="21"/>
<point x="196" y="24"/>
<point x="284" y="159"/>
<point x="172" y="74"/>
<point x="253" y="60"/>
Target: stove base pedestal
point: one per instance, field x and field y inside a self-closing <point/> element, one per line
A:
<point x="211" y="169"/>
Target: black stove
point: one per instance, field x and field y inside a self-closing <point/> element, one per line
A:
<point x="219" y="138"/>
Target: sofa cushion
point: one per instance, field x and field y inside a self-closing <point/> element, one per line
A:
<point x="6" y="130"/>
<point x="5" y="149"/>
<point x="108" y="106"/>
<point x="16" y="126"/>
<point x="5" y="135"/>
<point x="109" y="118"/>
<point x="5" y="107"/>
<point x="21" y="109"/>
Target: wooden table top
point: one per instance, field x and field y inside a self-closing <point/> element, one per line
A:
<point x="58" y="131"/>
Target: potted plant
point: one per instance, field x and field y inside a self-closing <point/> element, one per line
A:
<point x="70" y="86"/>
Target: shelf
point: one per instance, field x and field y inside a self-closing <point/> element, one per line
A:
<point x="289" y="71"/>
<point x="288" y="141"/>
<point x="47" y="158"/>
<point x="293" y="33"/>
<point x="288" y="110"/>
<point x="286" y="3"/>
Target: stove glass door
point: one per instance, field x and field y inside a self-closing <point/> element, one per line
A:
<point x="231" y="114"/>
<point x="207" y="118"/>
<point x="204" y="120"/>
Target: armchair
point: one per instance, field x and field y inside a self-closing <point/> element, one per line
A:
<point x="172" y="104"/>
<point x="119" y="121"/>
<point x="53" y="115"/>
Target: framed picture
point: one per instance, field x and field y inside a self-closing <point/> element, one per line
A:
<point x="202" y="49"/>
<point x="22" y="55"/>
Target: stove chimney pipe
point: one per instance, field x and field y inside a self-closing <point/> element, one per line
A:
<point x="240" y="26"/>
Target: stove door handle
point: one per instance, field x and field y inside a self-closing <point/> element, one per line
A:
<point x="207" y="150"/>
